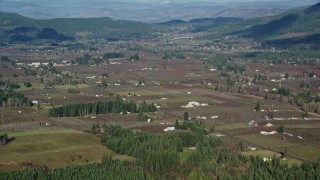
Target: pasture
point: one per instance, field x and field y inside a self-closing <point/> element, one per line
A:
<point x="52" y="149"/>
<point x="270" y="155"/>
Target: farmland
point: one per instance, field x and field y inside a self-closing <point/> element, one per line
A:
<point x="172" y="105"/>
<point x="52" y="149"/>
<point x="171" y="84"/>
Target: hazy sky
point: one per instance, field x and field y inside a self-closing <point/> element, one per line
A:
<point x="152" y="10"/>
<point x="157" y="1"/>
<point x="57" y="2"/>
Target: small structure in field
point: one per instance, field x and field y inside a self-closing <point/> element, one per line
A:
<point x="191" y="104"/>
<point x="201" y="117"/>
<point x="253" y="123"/>
<point x="169" y="129"/>
<point x="268" y="125"/>
<point x="252" y="148"/>
<point x="35" y="101"/>
<point x="268" y="133"/>
<point x="218" y="135"/>
<point x="91" y="77"/>
<point x="266" y="159"/>
<point x="288" y="134"/>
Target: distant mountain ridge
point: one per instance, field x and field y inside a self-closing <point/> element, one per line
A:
<point x="216" y="21"/>
<point x="14" y="27"/>
<point x="296" y="26"/>
<point x="147" y="12"/>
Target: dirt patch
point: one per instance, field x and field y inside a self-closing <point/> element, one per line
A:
<point x="310" y="136"/>
<point x="177" y="71"/>
<point x="247" y="131"/>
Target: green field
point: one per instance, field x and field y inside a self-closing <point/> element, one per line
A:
<point x="185" y="154"/>
<point x="70" y="86"/>
<point x="308" y="153"/>
<point x="141" y="92"/>
<point x="231" y="126"/>
<point x="266" y="141"/>
<point x="52" y="149"/>
<point x="270" y="154"/>
<point x="44" y="132"/>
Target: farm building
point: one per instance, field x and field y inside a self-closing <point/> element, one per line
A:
<point x="268" y="125"/>
<point x="268" y="133"/>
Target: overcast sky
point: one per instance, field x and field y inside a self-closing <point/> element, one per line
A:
<point x="93" y="2"/>
<point x="159" y="1"/>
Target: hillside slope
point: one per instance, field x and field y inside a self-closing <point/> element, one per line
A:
<point x="14" y="27"/>
<point x="300" y="26"/>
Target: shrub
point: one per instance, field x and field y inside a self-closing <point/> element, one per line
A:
<point x="27" y="84"/>
<point x="281" y="129"/>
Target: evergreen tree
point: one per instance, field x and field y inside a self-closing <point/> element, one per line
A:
<point x="186" y="116"/>
<point x="258" y="107"/>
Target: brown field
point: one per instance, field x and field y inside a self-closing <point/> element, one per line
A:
<point x="168" y="83"/>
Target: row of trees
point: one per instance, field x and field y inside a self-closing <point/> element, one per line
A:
<point x="89" y="59"/>
<point x="293" y="57"/>
<point x="100" y="107"/>
<point x="108" y="169"/>
<point x="62" y="80"/>
<point x="9" y="98"/>
<point x="113" y="55"/>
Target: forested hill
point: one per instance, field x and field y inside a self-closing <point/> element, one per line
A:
<point x="300" y="26"/>
<point x="14" y="27"/>
<point x="213" y="21"/>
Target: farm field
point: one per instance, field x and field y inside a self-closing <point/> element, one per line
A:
<point x="270" y="142"/>
<point x="188" y="102"/>
<point x="294" y="148"/>
<point x="308" y="153"/>
<point x="52" y="149"/>
<point x="169" y="88"/>
<point x="270" y="155"/>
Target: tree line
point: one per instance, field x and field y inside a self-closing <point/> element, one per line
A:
<point x="108" y="169"/>
<point x="9" y="98"/>
<point x="101" y="107"/>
